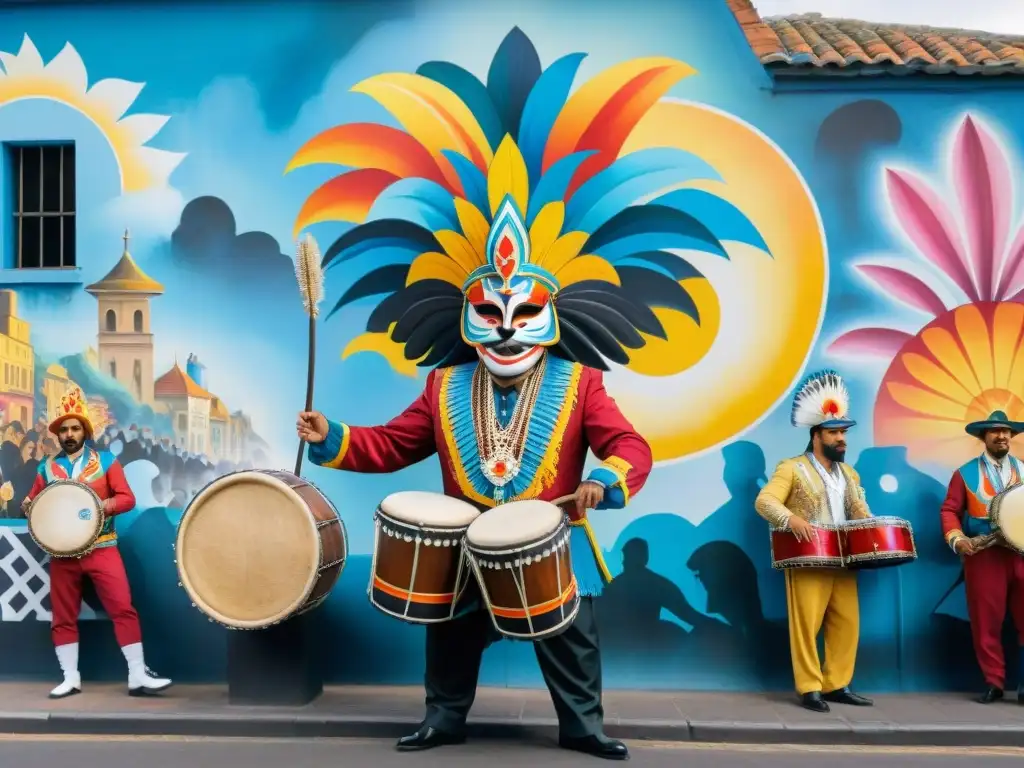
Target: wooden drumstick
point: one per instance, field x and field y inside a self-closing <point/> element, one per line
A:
<point x="309" y="274"/>
<point x="564" y="499"/>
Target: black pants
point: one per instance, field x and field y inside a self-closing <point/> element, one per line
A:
<point x="570" y="663"/>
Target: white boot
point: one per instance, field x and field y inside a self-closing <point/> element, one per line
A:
<point x="141" y="680"/>
<point x="67" y="657"/>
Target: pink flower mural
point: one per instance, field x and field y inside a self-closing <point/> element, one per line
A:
<point x="968" y="360"/>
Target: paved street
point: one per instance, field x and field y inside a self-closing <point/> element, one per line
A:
<point x="178" y="752"/>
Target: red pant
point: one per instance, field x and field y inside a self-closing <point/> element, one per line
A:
<point x="105" y="569"/>
<point x="994" y="578"/>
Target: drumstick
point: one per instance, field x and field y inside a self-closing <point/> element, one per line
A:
<point x="564" y="499"/>
<point x="310" y="276"/>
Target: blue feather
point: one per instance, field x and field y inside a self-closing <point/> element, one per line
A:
<point x="542" y="108"/>
<point x="473" y="94"/>
<point x="651" y="228"/>
<point x="420" y="201"/>
<point x="382" y="233"/>
<point x="474" y="183"/>
<point x="514" y="70"/>
<point x="553" y="184"/>
<point x="720" y="216"/>
<point x="668" y="264"/>
<point x="628" y="179"/>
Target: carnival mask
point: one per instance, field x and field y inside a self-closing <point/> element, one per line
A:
<point x="509" y="313"/>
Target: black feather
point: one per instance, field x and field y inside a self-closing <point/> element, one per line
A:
<point x="576" y="347"/>
<point x="651" y="218"/>
<point x="382" y="280"/>
<point x="678" y="267"/>
<point x="394" y="306"/>
<point x="613" y="298"/>
<point x="599" y="337"/>
<point x="514" y="71"/>
<point x="655" y="290"/>
<point x="419" y="335"/>
<point x="382" y="229"/>
<point x="603" y="321"/>
<point x="447" y="345"/>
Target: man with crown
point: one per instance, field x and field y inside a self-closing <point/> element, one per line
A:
<point x="513" y="422"/>
<point x="818" y="487"/>
<point x="993" y="573"/>
<point x="80" y="460"/>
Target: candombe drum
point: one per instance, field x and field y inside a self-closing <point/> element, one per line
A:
<point x="878" y="542"/>
<point x="824" y="550"/>
<point x="419" y="572"/>
<point x="1006" y="513"/>
<point x="65" y="519"/>
<point x="257" y="547"/>
<point x="522" y="561"/>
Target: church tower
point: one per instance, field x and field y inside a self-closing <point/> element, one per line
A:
<point x="125" y="341"/>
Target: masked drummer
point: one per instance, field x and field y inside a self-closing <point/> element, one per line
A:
<point x="81" y="461"/>
<point x="510" y="421"/>
<point x="819" y="488"/>
<point x="993" y="575"/>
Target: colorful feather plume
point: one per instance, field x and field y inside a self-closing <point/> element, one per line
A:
<point x="608" y="224"/>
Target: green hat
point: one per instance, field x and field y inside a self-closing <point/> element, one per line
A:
<point x="996" y="420"/>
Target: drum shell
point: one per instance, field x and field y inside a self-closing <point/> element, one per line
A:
<point x="824" y="550"/>
<point x="87" y="546"/>
<point x="878" y="543"/>
<point x="331" y="529"/>
<point x="552" y="598"/>
<point x="421" y="582"/>
<point x="332" y="539"/>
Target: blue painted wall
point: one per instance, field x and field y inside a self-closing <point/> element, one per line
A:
<point x="694" y="603"/>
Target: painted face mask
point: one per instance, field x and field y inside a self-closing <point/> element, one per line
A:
<point x="509" y="313"/>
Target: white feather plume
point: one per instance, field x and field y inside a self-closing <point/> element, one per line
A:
<point x="821" y="397"/>
<point x="310" y="275"/>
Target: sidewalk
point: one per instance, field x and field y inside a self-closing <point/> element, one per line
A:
<point x="388" y="712"/>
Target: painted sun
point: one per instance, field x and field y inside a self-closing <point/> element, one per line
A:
<point x="64" y="79"/>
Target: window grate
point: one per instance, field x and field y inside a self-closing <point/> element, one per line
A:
<point x="44" y="180"/>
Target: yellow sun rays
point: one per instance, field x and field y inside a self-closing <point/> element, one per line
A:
<point x="64" y="79"/>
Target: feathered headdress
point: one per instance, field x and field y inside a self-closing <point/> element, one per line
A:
<point x="822" y="401"/>
<point x="602" y="209"/>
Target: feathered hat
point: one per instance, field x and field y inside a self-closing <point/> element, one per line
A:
<point x="554" y="181"/>
<point x="822" y="401"/>
<point x="72" y="406"/>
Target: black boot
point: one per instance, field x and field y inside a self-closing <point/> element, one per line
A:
<point x="991" y="694"/>
<point x="848" y="697"/>
<point x="598" y="746"/>
<point x="428" y="738"/>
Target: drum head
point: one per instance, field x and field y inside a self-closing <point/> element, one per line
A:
<point x="429" y="510"/>
<point x="1010" y="516"/>
<point x="248" y="550"/>
<point x="64" y="517"/>
<point x="514" y="524"/>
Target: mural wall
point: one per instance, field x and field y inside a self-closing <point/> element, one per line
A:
<point x="768" y="234"/>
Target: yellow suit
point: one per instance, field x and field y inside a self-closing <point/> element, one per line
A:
<point x="816" y="596"/>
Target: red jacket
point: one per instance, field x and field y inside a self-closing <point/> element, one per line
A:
<point x="574" y="413"/>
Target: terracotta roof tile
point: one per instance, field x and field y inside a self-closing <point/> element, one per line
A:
<point x="812" y="44"/>
<point x="177" y="383"/>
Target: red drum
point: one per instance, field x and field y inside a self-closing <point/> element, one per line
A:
<point x="824" y="550"/>
<point x="878" y="542"/>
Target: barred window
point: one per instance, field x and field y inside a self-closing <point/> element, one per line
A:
<point x="44" y="212"/>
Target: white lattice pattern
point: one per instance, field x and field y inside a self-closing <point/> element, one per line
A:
<point x="20" y="582"/>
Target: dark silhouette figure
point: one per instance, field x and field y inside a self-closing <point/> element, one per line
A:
<point x="632" y="603"/>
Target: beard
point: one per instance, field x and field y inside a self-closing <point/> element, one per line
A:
<point x="834" y="452"/>
<point x="999" y="451"/>
<point x="71" y="445"/>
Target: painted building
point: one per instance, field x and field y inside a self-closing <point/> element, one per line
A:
<point x="832" y="193"/>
